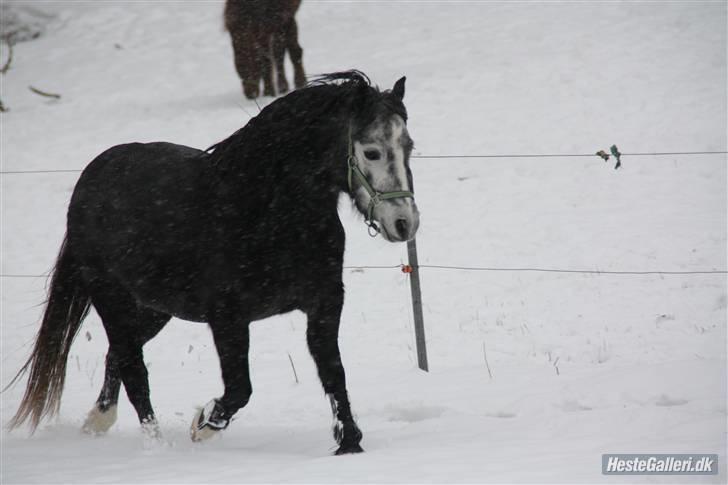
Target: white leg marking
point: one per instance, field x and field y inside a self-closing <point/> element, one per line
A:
<point x="198" y="430"/>
<point x="98" y="421"/>
<point x="337" y="427"/>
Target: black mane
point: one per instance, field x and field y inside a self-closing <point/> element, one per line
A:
<point x="348" y="95"/>
<point x="353" y="76"/>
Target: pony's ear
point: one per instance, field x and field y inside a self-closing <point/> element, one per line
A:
<point x="398" y="89"/>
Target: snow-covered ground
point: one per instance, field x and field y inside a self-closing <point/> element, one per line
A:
<point x="581" y="364"/>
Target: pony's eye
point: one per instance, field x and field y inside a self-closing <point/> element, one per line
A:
<point x="372" y="154"/>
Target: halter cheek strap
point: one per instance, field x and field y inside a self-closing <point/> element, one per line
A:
<point x="375" y="197"/>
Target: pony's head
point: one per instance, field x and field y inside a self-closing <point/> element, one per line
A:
<point x="379" y="147"/>
<point x="373" y="142"/>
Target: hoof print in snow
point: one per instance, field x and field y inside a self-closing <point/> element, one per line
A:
<point x="501" y="414"/>
<point x="666" y="401"/>
<point x="415" y="413"/>
<point x="573" y="405"/>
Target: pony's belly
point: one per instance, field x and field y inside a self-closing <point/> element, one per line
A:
<point x="179" y="307"/>
<point x="178" y="296"/>
<point x="197" y="300"/>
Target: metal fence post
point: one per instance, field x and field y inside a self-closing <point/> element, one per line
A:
<point x="417" y="304"/>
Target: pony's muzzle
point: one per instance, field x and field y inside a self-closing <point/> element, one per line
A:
<point x="399" y="221"/>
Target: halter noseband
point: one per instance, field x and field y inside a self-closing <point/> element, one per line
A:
<point x="375" y="197"/>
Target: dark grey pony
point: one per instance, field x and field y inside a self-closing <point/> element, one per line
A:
<point x="241" y="232"/>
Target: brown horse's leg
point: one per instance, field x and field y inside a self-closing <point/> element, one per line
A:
<point x="265" y="54"/>
<point x="279" y="55"/>
<point x="296" y="53"/>
<point x="245" y="62"/>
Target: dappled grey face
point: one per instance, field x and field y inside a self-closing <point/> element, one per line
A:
<point x="382" y="151"/>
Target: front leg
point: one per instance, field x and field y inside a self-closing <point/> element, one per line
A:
<point x="232" y="340"/>
<point x="322" y="335"/>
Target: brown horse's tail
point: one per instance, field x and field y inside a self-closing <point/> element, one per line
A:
<point x="67" y="306"/>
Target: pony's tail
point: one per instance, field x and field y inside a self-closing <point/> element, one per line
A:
<point x="68" y="304"/>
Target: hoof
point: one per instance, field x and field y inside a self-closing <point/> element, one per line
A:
<point x="207" y="422"/>
<point x="98" y="421"/>
<point x="347" y="449"/>
<point x="300" y="80"/>
<point x="152" y="434"/>
<point x="202" y="433"/>
<point x="151" y="430"/>
<point x="251" y="89"/>
<point x="348" y="438"/>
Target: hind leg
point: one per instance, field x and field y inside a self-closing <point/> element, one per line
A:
<point x="127" y="331"/>
<point x="296" y="53"/>
<point x="266" y="64"/>
<point x="279" y="55"/>
<point x="103" y="414"/>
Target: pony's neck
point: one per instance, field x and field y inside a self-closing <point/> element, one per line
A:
<point x="279" y="158"/>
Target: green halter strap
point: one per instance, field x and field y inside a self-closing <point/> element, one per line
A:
<point x="375" y="197"/>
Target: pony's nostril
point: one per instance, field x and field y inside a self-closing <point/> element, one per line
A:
<point x="402" y="227"/>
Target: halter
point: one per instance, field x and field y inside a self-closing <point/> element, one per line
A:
<point x="375" y="197"/>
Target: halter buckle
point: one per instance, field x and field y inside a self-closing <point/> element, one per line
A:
<point x="372" y="228"/>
